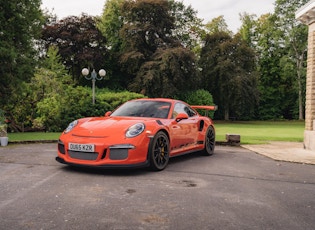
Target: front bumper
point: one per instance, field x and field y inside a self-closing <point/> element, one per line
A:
<point x="106" y="156"/>
<point x="105" y="166"/>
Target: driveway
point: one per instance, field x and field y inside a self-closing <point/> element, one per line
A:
<point x="233" y="189"/>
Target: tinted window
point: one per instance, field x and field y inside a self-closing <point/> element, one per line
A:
<point x="156" y="109"/>
<point x="183" y="108"/>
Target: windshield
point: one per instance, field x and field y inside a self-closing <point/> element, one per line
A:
<point x="142" y="108"/>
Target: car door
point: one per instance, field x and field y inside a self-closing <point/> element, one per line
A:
<point x="183" y="132"/>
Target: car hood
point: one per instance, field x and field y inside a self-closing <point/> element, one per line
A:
<point x="104" y="126"/>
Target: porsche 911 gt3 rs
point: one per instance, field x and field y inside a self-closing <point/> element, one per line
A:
<point x="139" y="133"/>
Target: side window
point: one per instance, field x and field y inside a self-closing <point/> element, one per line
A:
<point x="182" y="108"/>
<point x="190" y="111"/>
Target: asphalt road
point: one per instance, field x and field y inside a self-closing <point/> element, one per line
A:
<point x="233" y="189"/>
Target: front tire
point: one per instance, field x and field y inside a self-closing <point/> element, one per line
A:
<point x="159" y="152"/>
<point x="209" y="142"/>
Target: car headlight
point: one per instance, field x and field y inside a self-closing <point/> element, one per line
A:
<point x="135" y="130"/>
<point x="71" y="126"/>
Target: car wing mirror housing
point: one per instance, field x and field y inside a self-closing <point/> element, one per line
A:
<point x="108" y="113"/>
<point x="181" y="116"/>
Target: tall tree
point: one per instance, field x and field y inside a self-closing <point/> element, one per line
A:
<point x="123" y="30"/>
<point x="149" y="46"/>
<point x="271" y="86"/>
<point x="79" y="41"/>
<point x="188" y="27"/>
<point x="20" y="26"/>
<point x="228" y="71"/>
<point x="110" y="23"/>
<point x="294" y="39"/>
<point x="169" y="73"/>
<point x="217" y="25"/>
<point x="248" y="28"/>
<point x="48" y="81"/>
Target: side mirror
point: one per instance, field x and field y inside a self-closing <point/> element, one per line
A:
<point x="181" y="116"/>
<point x="108" y="113"/>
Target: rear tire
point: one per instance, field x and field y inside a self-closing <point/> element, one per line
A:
<point x="159" y="152"/>
<point x="209" y="142"/>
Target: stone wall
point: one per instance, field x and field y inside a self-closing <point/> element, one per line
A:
<point x="310" y="82"/>
<point x="306" y="14"/>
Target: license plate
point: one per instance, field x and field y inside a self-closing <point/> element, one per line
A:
<point x="81" y="147"/>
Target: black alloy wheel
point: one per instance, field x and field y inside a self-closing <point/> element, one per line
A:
<point x="159" y="152"/>
<point x="209" y="142"/>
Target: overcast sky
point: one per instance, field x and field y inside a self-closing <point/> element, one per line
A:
<point x="207" y="9"/>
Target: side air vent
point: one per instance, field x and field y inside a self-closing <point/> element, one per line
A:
<point x="201" y="125"/>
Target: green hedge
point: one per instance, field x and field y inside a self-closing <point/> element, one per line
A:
<point x="55" y="113"/>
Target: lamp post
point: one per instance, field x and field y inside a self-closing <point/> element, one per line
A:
<point x="93" y="77"/>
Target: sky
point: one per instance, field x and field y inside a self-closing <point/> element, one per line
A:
<point x="207" y="9"/>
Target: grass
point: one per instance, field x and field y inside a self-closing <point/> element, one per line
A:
<point x="33" y="136"/>
<point x="259" y="132"/>
<point x="252" y="132"/>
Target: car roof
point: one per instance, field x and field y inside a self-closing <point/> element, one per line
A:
<point x="158" y="99"/>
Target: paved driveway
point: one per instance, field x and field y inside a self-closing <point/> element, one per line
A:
<point x="233" y="189"/>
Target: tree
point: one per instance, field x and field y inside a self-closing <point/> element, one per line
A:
<point x="151" y="53"/>
<point x="271" y="86"/>
<point x="188" y="27"/>
<point x="134" y="35"/>
<point x="79" y="41"/>
<point x="217" y="25"/>
<point x="280" y="42"/>
<point x="248" y="28"/>
<point x="110" y="23"/>
<point x="20" y="26"/>
<point x="228" y="73"/>
<point x="294" y="39"/>
<point x="169" y="73"/>
<point x="49" y="81"/>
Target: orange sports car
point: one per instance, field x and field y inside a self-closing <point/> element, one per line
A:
<point x="141" y="132"/>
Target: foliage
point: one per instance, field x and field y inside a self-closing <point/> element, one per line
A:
<point x="115" y="99"/>
<point x="156" y="62"/>
<point x="293" y="37"/>
<point x="280" y="43"/>
<point x="2" y="117"/>
<point x="79" y="41"/>
<point x="48" y="81"/>
<point x="3" y="125"/>
<point x="57" y="112"/>
<point x="20" y="25"/>
<point x="158" y="48"/>
<point x="167" y="75"/>
<point x="247" y="30"/>
<point x="199" y="97"/>
<point x="228" y="72"/>
<point x="110" y="23"/>
<point x="217" y="25"/>
<point x="148" y="26"/>
<point x="188" y="27"/>
<point x="270" y="83"/>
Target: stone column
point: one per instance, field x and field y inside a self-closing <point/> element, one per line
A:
<point x="306" y="14"/>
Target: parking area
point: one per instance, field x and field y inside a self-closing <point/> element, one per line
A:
<point x="233" y="189"/>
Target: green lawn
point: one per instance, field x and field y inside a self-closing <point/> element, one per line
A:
<point x="254" y="132"/>
<point x="33" y="136"/>
<point x="258" y="132"/>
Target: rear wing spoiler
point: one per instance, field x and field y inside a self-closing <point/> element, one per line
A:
<point x="205" y="107"/>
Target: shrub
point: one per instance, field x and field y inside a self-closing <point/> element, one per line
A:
<point x="199" y="97"/>
<point x="55" y="113"/>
